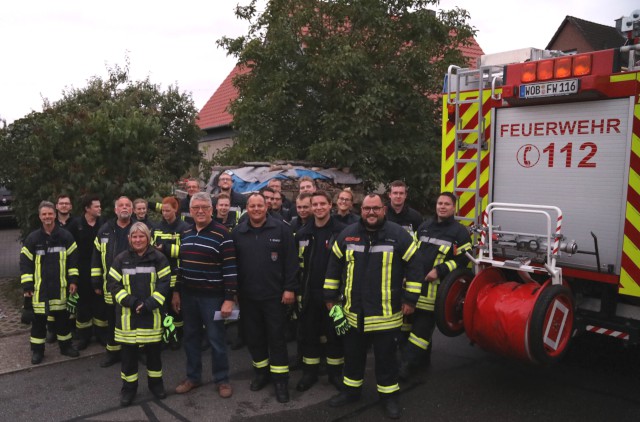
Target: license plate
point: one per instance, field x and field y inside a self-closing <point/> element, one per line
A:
<point x="549" y="89"/>
<point x="4" y="208"/>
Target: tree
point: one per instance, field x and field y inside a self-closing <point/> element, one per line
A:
<point x="113" y="137"/>
<point x="346" y="83"/>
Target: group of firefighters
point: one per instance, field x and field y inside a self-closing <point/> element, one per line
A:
<point x="351" y="282"/>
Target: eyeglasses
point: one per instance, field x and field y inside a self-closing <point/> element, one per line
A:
<point x="344" y="199"/>
<point x="374" y="209"/>
<point x="201" y="208"/>
<point x="225" y="179"/>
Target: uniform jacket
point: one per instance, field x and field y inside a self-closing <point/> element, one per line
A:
<point x="442" y="245"/>
<point x="314" y="248"/>
<point x="267" y="259"/>
<point x="135" y="279"/>
<point x="106" y="249"/>
<point x="408" y="218"/>
<point x="85" y="235"/>
<point x="166" y="237"/>
<point x="347" y="219"/>
<point x="369" y="269"/>
<point x="48" y="263"/>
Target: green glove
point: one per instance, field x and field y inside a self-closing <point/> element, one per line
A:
<point x="72" y="303"/>
<point x="169" y="333"/>
<point x="339" y="321"/>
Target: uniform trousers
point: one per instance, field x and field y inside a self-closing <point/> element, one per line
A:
<point x="355" y="359"/>
<point x="424" y="324"/>
<point x="129" y="367"/>
<point x="39" y="328"/>
<point x="264" y="323"/>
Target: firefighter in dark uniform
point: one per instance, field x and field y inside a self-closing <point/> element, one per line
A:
<point x="374" y="265"/>
<point x="49" y="272"/>
<point x="193" y="187"/>
<point x="112" y="239"/>
<point x="344" y="207"/>
<point x="314" y="242"/>
<point x="267" y="278"/>
<point x="91" y="312"/>
<point x="238" y="200"/>
<point x="166" y="238"/>
<point x="139" y="281"/>
<point x="443" y="243"/>
<point x="222" y="214"/>
<point x="399" y="211"/>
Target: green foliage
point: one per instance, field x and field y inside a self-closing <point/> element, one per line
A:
<point x="348" y="84"/>
<point x="113" y="137"/>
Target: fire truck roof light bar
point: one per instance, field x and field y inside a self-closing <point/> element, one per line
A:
<point x="557" y="68"/>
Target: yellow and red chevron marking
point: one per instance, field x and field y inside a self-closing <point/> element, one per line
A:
<point x="630" y="271"/>
<point x="466" y="171"/>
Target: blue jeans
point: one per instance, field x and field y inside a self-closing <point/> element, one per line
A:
<point x="197" y="311"/>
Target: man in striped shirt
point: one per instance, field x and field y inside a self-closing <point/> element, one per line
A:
<point x="206" y="285"/>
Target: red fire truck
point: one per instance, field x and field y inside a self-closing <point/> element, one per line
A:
<point x="544" y="156"/>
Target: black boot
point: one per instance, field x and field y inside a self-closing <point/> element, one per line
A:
<point x="127" y="393"/>
<point x="391" y="406"/>
<point x="309" y="377"/>
<point x="67" y="349"/>
<point x="110" y="359"/>
<point x="282" y="391"/>
<point x="344" y="397"/>
<point x="82" y="344"/>
<point x="37" y="356"/>
<point x="334" y="373"/>
<point x="157" y="388"/>
<point x="260" y="380"/>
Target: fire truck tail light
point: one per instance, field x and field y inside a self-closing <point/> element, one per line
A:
<point x="545" y="70"/>
<point x="582" y="65"/>
<point x="563" y="67"/>
<point x="529" y="72"/>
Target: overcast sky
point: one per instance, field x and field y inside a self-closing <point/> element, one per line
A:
<point x="47" y="45"/>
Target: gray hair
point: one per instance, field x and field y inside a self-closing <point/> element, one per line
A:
<point x="46" y="204"/>
<point x="142" y="228"/>
<point x="201" y="196"/>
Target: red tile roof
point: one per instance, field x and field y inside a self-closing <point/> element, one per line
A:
<point x="473" y="51"/>
<point x="214" y="114"/>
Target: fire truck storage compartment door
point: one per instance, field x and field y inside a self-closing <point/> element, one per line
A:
<point x="574" y="156"/>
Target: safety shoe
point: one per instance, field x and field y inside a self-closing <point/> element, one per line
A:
<point x="37" y="356"/>
<point x="126" y="396"/>
<point x="391" y="407"/>
<point x="110" y="359"/>
<point x="343" y="398"/>
<point x="307" y="381"/>
<point x="69" y="350"/>
<point x="157" y="389"/>
<point x="259" y="382"/>
<point x="51" y="337"/>
<point x="282" y="392"/>
<point x="82" y="344"/>
<point x="186" y="386"/>
<point x="225" y="390"/>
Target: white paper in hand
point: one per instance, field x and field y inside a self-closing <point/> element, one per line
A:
<point x="235" y="314"/>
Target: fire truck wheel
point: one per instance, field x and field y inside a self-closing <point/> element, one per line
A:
<point x="450" y="301"/>
<point x="551" y="324"/>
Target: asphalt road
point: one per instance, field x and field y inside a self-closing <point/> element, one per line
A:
<point x="597" y="382"/>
